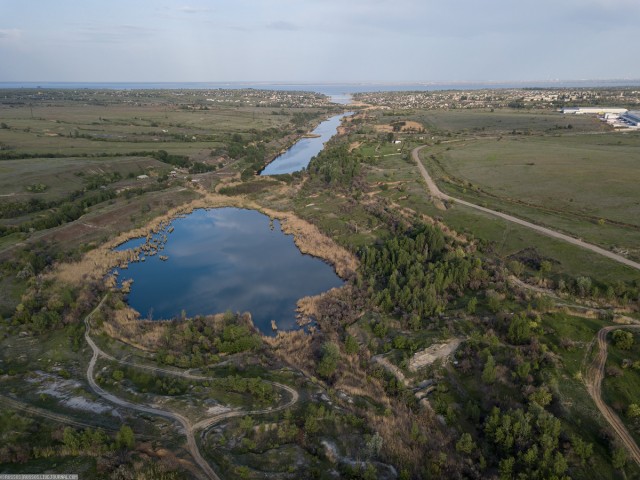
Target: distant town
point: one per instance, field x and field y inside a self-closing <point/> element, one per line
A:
<point x="198" y="99"/>
<point x="625" y="98"/>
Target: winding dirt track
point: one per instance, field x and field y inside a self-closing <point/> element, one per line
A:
<point x="595" y="372"/>
<point x="189" y="429"/>
<point x="593" y="381"/>
<point x="439" y="196"/>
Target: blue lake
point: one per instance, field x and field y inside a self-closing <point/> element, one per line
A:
<point x="227" y="259"/>
<point x="298" y="157"/>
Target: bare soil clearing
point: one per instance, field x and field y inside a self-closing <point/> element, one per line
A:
<point x="431" y="354"/>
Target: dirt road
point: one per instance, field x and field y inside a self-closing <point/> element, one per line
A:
<point x="189" y="429"/>
<point x="191" y="442"/>
<point x="439" y="196"/>
<point x="593" y="381"/>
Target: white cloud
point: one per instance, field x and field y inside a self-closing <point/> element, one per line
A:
<point x="282" y="25"/>
<point x="193" y="10"/>
<point x="10" y="34"/>
<point x="114" y="33"/>
<point x="360" y="40"/>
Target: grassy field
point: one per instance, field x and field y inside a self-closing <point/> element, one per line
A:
<point x="80" y="129"/>
<point x="60" y="176"/>
<point x="500" y="122"/>
<point x="397" y="180"/>
<point x="579" y="175"/>
<point x="580" y="180"/>
<point x="583" y="185"/>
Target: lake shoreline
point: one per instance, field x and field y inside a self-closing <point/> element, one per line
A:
<point x="224" y="259"/>
<point x="96" y="264"/>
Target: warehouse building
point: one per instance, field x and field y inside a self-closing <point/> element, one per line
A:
<point x="593" y="110"/>
<point x="631" y="118"/>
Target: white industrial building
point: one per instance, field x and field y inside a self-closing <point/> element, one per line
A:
<point x="593" y="110"/>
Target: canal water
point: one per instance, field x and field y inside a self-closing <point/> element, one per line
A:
<point x="299" y="155"/>
<point x="226" y="259"/>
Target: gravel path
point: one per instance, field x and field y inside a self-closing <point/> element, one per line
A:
<point x="595" y="373"/>
<point x="439" y="196"/>
<point x="183" y="421"/>
<point x="593" y="380"/>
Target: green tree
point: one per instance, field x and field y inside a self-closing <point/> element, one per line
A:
<point x="506" y="468"/>
<point x="519" y="330"/>
<point x="583" y="284"/>
<point x="559" y="465"/>
<point x="311" y="424"/>
<point x="493" y="301"/>
<point x="125" y="438"/>
<point x="582" y="449"/>
<point x="489" y="371"/>
<point x="370" y="473"/>
<point x="243" y="471"/>
<point x="523" y="370"/>
<point x="466" y="444"/>
<point x="70" y="439"/>
<point x="619" y="458"/>
<point x="471" y="305"/>
<point x="622" y="340"/>
<point x="374" y="445"/>
<point x="542" y="396"/>
<point x="351" y="345"/>
<point x="329" y="360"/>
<point x="516" y="267"/>
<point x="633" y="411"/>
<point x="246" y="423"/>
<point x="545" y="268"/>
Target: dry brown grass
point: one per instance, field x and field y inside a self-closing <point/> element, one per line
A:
<point x="126" y="326"/>
<point x="409" y="126"/>
<point x="294" y="348"/>
<point x="313" y="242"/>
<point x="96" y="263"/>
<point x="354" y="145"/>
<point x="307" y="309"/>
<point x="400" y="446"/>
<point x="397" y="426"/>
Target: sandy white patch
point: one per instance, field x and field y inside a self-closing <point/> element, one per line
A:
<point x="65" y="391"/>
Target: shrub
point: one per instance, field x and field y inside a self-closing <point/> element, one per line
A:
<point x="622" y="340"/>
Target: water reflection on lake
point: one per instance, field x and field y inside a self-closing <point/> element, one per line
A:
<point x="300" y="154"/>
<point x="227" y="259"/>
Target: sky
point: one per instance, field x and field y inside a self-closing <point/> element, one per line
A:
<point x="318" y="40"/>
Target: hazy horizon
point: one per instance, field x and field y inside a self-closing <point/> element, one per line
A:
<point x="559" y="83"/>
<point x="308" y="41"/>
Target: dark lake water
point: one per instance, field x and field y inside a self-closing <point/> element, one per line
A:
<point x="227" y="259"/>
<point x="300" y="154"/>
